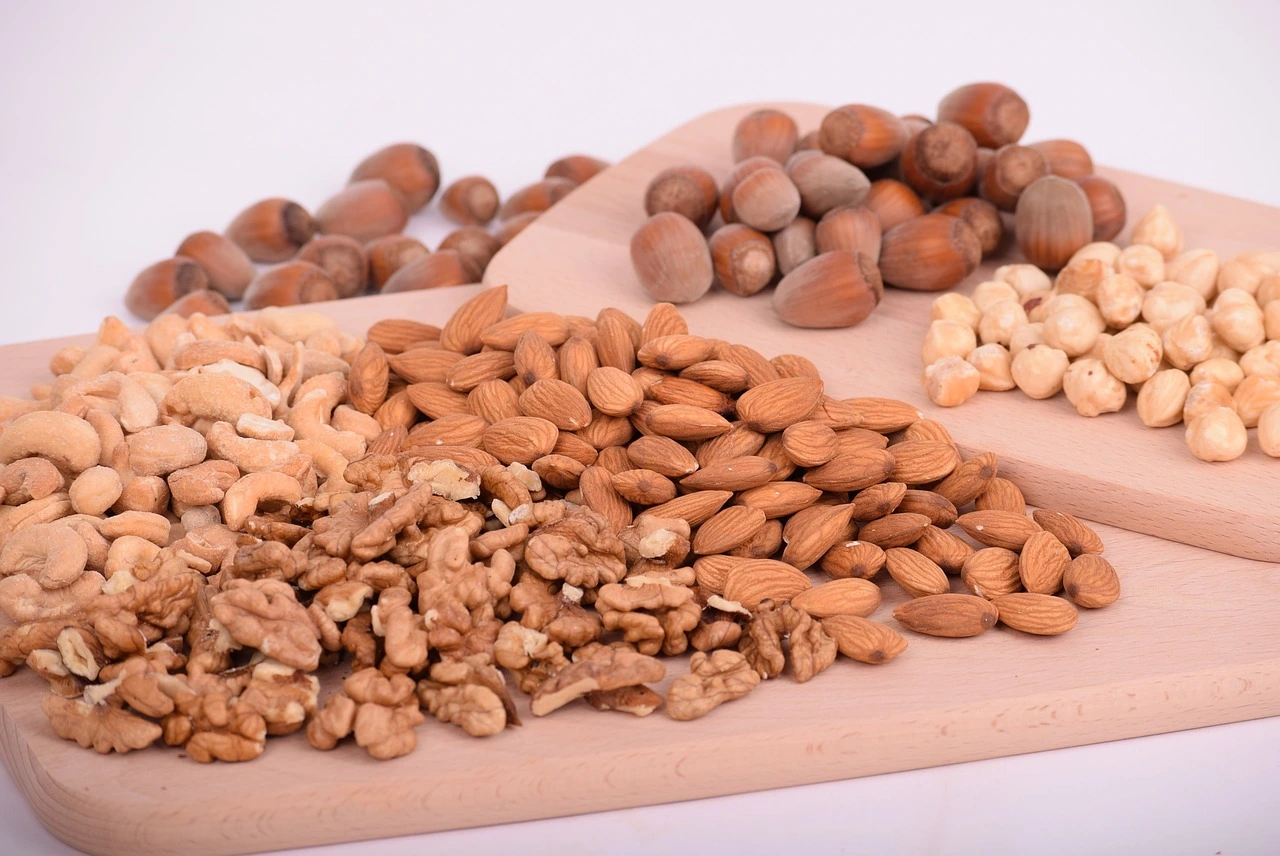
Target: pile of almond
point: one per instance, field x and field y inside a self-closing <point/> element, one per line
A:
<point x="1197" y="339"/>
<point x="866" y="200"/>
<point x="354" y="243"/>
<point x="200" y="518"/>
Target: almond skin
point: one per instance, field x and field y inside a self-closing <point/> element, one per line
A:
<point x="662" y="455"/>
<point x="755" y="580"/>
<point x="1043" y="562"/>
<point x="644" y="486"/>
<point x="947" y="549"/>
<point x="741" y="473"/>
<point x="1091" y="581"/>
<point x="1076" y="536"/>
<point x="894" y="530"/>
<point x="938" y="509"/>
<point x="863" y="640"/>
<point x="810" y="444"/>
<point x="878" y="501"/>
<point x="1006" y="529"/>
<point x="853" y="559"/>
<point x="916" y="574"/>
<point x="779" y="498"/>
<point x="1001" y="495"/>
<point x="835" y="289"/>
<point x="851" y="596"/>
<point x="672" y="353"/>
<point x="929" y="253"/>
<point x="885" y="415"/>
<point x="462" y="331"/>
<point x="671" y="259"/>
<point x="522" y="439"/>
<point x="1040" y="614"/>
<point x="969" y="479"/>
<point x="991" y="572"/>
<point x="685" y="422"/>
<point x="558" y="403"/>
<point x="953" y="616"/>
<point x="727" y="529"/>
<point x="397" y="335"/>
<point x="613" y="392"/>
<point x="922" y="461"/>
<point x="851" y="471"/>
<point x="774" y="406"/>
<point x="811" y="532"/>
<point x="695" y="508"/>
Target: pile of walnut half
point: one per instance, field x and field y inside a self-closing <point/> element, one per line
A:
<point x="195" y="519"/>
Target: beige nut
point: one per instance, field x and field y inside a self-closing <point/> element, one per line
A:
<point x="1225" y="371"/>
<point x="1072" y="330"/>
<point x="1161" y="399"/>
<point x="1196" y="268"/>
<point x="1254" y="395"/>
<point x="1218" y="435"/>
<point x="160" y="450"/>
<point x="1269" y="431"/>
<point x="1238" y="320"/>
<point x="1026" y="336"/>
<point x="1119" y="298"/>
<point x="1169" y="301"/>
<point x="68" y="441"/>
<point x="999" y="320"/>
<point x="1038" y="371"/>
<point x="216" y="396"/>
<point x="995" y="367"/>
<point x="1143" y="263"/>
<point x="1025" y="279"/>
<point x="1093" y="390"/>
<point x="52" y="554"/>
<point x="1187" y="342"/>
<point x="247" y="454"/>
<point x="243" y="498"/>
<point x="946" y="338"/>
<point x="95" y="490"/>
<point x="1262" y="361"/>
<point x="127" y="552"/>
<point x="951" y="381"/>
<point x="1104" y="251"/>
<point x="1134" y="355"/>
<point x="953" y="306"/>
<point x="1158" y="229"/>
<point x="993" y="291"/>
<point x="1205" y="396"/>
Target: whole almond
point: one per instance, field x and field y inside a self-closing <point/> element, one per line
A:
<point x="922" y="461"/>
<point x="1041" y="614"/>
<point x="764" y="544"/>
<point x="504" y="334"/>
<point x="991" y="572"/>
<point x="535" y="359"/>
<point x="577" y="360"/>
<point x="1043" y="561"/>
<point x="494" y="400"/>
<point x="695" y="508"/>
<point x="664" y="319"/>
<point x="395" y="335"/>
<point x="727" y="529"/>
<point x="795" y="365"/>
<point x="969" y="479"/>
<point x="917" y="575"/>
<point x="367" y="379"/>
<point x="679" y="390"/>
<point x="596" y="484"/>
<point x="878" y="501"/>
<point x="855" y="439"/>
<point x="604" y="431"/>
<point x="810" y="444"/>
<point x="559" y="471"/>
<point x="998" y="528"/>
<point x="772" y="451"/>
<point x="777" y="404"/>
<point x="894" y="530"/>
<point x="1091" y="581"/>
<point x="758" y="369"/>
<point x="928" y="429"/>
<point x="712" y="572"/>
<point x="662" y="455"/>
<point x="738" y="442"/>
<point x="613" y="391"/>
<point x="937" y="508"/>
<point x="615" y="460"/>
<point x="953" y="616"/>
<point x="733" y="474"/>
<point x="617" y="337"/>
<point x="573" y="446"/>
<point x="853" y="559"/>
<point x="863" y="640"/>
<point x="644" y="487"/>
<point x="764" y="579"/>
<point x="397" y="411"/>
<point x="437" y="399"/>
<point x="685" y="422"/>
<point x="462" y="429"/>
<point x="811" y="532"/>
<point x="469" y="372"/>
<point x="423" y="365"/>
<point x="850" y="596"/>
<point x="672" y="353"/>
<point x="463" y="456"/>
<point x="779" y="498"/>
<point x="718" y="374"/>
<point x="1075" y="536"/>
<point x="885" y="415"/>
<point x="947" y="549"/>
<point x="835" y="289"/>
<point x="557" y="402"/>
<point x="462" y="331"/>
<point x="1001" y="495"/>
<point x="522" y="439"/>
<point x="853" y="471"/>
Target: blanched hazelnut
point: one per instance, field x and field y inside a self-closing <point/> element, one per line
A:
<point x="1038" y="371"/>
<point x="1099" y="347"/>
<point x="1169" y="301"/>
<point x="1205" y="396"/>
<point x="953" y="306"/>
<point x="1268" y="290"/>
<point x="1158" y="229"/>
<point x="1271" y="320"/>
<point x="992" y="291"/>
<point x="1224" y="371"/>
<point x="1238" y="320"/>
<point x="1104" y="251"/>
<point x="1024" y="278"/>
<point x="1255" y="394"/>
<point x="1196" y="268"/>
<point x="1161" y="398"/>
<point x="1092" y="389"/>
<point x="1134" y="355"/>
<point x="1026" y="336"/>
<point x="950" y="381"/>
<point x="994" y="364"/>
<point x="1119" y="298"/>
<point x="1072" y="329"/>
<point x="1143" y="263"/>
<point x="947" y="339"/>
<point x="1263" y="361"/>
<point x="1037" y="305"/>
<point x="1218" y="435"/>
<point x="999" y="320"/>
<point x="1187" y="341"/>
<point x="1082" y="277"/>
<point x="1269" y="431"/>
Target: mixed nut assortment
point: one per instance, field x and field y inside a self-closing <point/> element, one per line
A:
<point x="353" y="243"/>
<point x="870" y="199"/>
<point x="1197" y="339"/>
<point x="198" y="518"/>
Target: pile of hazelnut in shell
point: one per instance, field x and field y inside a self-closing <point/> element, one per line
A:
<point x="198" y="517"/>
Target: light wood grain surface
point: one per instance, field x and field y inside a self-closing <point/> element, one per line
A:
<point x="1194" y="641"/>
<point x="1111" y="468"/>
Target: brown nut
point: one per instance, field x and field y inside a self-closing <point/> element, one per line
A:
<point x="363" y="210"/>
<point x="390" y="253"/>
<point x="940" y="162"/>
<point x="929" y="253"/>
<point x="853" y="229"/>
<point x="893" y="202"/>
<point x="470" y="201"/>
<point x="229" y="269"/>
<point x="768" y="133"/>
<point x="576" y="168"/>
<point x="1009" y="171"/>
<point x="272" y="230"/>
<point x="836" y="289"/>
<point x="157" y="287"/>
<point x="687" y="190"/>
<point x="476" y="247"/>
<point x="743" y="258"/>
<point x="437" y="270"/>
<point x="981" y="216"/>
<point x="536" y="198"/>
<point x="671" y="259"/>
<point x="1067" y="158"/>
<point x="992" y="112"/>
<point x="1053" y="220"/>
<point x="766" y="200"/>
<point x="826" y="182"/>
<point x="795" y="244"/>
<point x="409" y="169"/>
<point x="290" y="284"/>
<point x="342" y="258"/>
<point x="205" y="301"/>
<point x="863" y="135"/>
<point x="1107" y="205"/>
<point x="508" y="229"/>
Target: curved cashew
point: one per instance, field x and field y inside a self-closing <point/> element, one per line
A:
<point x="347" y="418"/>
<point x="127" y="552"/>
<point x="65" y="360"/>
<point x="68" y="441"/>
<point x="143" y="494"/>
<point x="214" y="395"/>
<point x="251" y="376"/>
<point x="122" y="396"/>
<point x="206" y="352"/>
<point x="136" y="356"/>
<point x="95" y="490"/>
<point x="156" y="384"/>
<point x="87" y="528"/>
<point x="23" y="600"/>
<point x="109" y="433"/>
<point x="144" y="524"/>
<point x="97" y="360"/>
<point x="257" y="428"/>
<point x="114" y="332"/>
<point x="162" y="335"/>
<point x="243" y="498"/>
<point x="249" y="455"/>
<point x="27" y="479"/>
<point x="330" y="463"/>
<point x="308" y="420"/>
<point x="160" y="450"/>
<point x="14" y="518"/>
<point x="50" y="553"/>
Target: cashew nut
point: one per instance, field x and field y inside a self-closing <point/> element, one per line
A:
<point x="160" y="450"/>
<point x="27" y="479"/>
<point x="251" y="376"/>
<point x="330" y="463"/>
<point x="87" y="528"/>
<point x="294" y="326"/>
<point x="144" y="524"/>
<point x="347" y="418"/>
<point x="123" y="397"/>
<point x="17" y="517"/>
<point x="310" y="414"/>
<point x="162" y="335"/>
<point x="23" y="600"/>
<point x="143" y="494"/>
<point x="68" y="441"/>
<point x="202" y="353"/>
<point x="204" y="483"/>
<point x="110" y="434"/>
<point x="243" y="498"/>
<point x="128" y="551"/>
<point x="11" y="408"/>
<point x="257" y="428"/>
<point x="96" y="361"/>
<point x="250" y="455"/>
<point x="52" y="554"/>
<point x="95" y="490"/>
<point x="214" y="395"/>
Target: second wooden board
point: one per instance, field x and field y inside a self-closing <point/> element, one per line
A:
<point x="1112" y="468"/>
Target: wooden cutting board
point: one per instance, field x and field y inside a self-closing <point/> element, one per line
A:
<point x="1111" y="468"/>
<point x="1194" y="641"/>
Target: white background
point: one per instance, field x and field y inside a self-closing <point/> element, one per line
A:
<point x="124" y="126"/>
